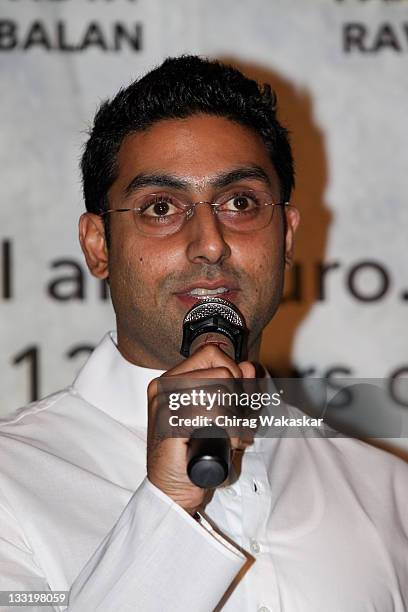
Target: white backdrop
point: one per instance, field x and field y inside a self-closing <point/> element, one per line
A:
<point x="340" y="70"/>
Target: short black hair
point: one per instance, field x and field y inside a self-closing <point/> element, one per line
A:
<point x="181" y="87"/>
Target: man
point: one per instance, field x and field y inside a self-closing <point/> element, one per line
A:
<point x="175" y="171"/>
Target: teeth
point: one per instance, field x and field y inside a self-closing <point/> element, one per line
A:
<point x="201" y="292"/>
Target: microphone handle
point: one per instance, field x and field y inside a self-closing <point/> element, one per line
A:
<point x="209" y="449"/>
<point x="209" y="456"/>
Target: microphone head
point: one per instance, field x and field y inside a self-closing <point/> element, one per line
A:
<point x="209" y="306"/>
<point x="215" y="315"/>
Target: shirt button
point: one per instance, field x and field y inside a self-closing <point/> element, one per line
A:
<point x="231" y="491"/>
<point x="263" y="609"/>
<point x="254" y="546"/>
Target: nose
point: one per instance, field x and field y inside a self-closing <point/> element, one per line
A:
<point x="206" y="242"/>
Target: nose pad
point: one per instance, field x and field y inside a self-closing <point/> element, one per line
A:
<point x="193" y="208"/>
<point x="190" y="212"/>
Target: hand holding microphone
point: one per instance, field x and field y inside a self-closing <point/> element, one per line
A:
<point x="168" y="458"/>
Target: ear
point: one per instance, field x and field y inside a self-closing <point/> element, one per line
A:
<point x="93" y="243"/>
<point x="291" y="224"/>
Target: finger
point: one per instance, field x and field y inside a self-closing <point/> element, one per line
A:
<point x="248" y="369"/>
<point x="210" y="374"/>
<point x="207" y="356"/>
<point x="240" y="444"/>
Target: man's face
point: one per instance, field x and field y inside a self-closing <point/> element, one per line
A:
<point x="151" y="278"/>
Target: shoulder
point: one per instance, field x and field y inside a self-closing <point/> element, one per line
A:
<point x="38" y="411"/>
<point x="46" y="423"/>
<point x="32" y="410"/>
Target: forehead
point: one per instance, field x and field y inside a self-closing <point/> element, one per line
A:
<point x="194" y="149"/>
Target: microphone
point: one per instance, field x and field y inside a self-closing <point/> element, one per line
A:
<point x="215" y="321"/>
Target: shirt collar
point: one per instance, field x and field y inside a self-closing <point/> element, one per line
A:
<point x="111" y="383"/>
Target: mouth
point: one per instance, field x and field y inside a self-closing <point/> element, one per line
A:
<point x="199" y="291"/>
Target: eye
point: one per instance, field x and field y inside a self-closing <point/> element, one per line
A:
<point x="241" y="202"/>
<point x="159" y="206"/>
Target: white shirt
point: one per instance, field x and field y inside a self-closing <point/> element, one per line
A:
<point x="324" y="520"/>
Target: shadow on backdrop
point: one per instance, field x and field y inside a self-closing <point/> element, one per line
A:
<point x="295" y="111"/>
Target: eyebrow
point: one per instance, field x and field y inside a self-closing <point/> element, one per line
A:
<point x="219" y="181"/>
<point x="241" y="174"/>
<point x="157" y="180"/>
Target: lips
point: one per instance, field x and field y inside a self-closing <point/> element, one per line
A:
<point x="202" y="292"/>
<point x="222" y="288"/>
